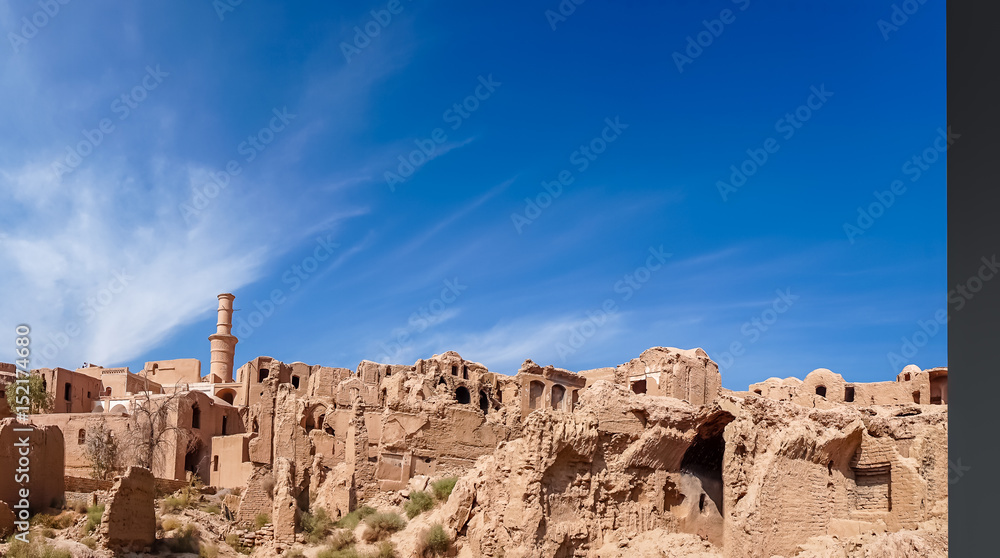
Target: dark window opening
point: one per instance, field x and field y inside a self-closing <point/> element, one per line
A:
<point x="916" y="397"/>
<point x="68" y="391"/>
<point x="484" y="402"/>
<point x="88" y="395"/>
<point x="849" y="394"/>
<point x="701" y="502"/>
<point x="462" y="395"/>
<point x="427" y="460"/>
<point x="906" y="377"/>
<point x="108" y="391"/>
<point x="295" y="382"/>
<point x="535" y="390"/>
<point x="821" y="391"/>
<point x="441" y="381"/>
<point x="262" y="375"/>
<point x="500" y="396"/>
<point x="454" y="370"/>
<point x="195" y="417"/>
<point x="215" y="463"/>
<point x="558" y="396"/>
<point x="224" y="425"/>
<point x="639" y="386"/>
<point x="465" y="372"/>
<point x="939" y="390"/>
<point x="81" y="437"/>
<point x="758" y="392"/>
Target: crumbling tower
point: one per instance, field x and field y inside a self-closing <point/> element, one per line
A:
<point x="223" y="342"/>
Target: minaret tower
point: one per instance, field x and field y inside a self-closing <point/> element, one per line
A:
<point x="223" y="342"/>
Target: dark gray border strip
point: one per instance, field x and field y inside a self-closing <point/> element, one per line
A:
<point x="973" y="233"/>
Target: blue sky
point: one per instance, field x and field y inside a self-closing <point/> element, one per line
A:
<point x="158" y="154"/>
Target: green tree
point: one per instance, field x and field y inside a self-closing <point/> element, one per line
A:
<point x="37" y="399"/>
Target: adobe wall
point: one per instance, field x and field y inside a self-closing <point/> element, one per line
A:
<point x="176" y="371"/>
<point x="231" y="466"/>
<point x="823" y="388"/>
<point x="689" y="374"/>
<point x="72" y="425"/>
<point x="43" y="475"/>
<point x="71" y="392"/>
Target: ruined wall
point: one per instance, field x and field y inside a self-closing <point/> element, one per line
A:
<point x="792" y="473"/>
<point x="44" y="449"/>
<point x="129" y="520"/>
<point x="684" y="374"/>
<point x="618" y="466"/>
<point x="823" y="388"/>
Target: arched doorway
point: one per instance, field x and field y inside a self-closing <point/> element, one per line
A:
<point x="227" y="395"/>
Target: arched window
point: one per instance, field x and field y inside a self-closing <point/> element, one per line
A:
<point x="558" y="396"/>
<point x="462" y="395"/>
<point x="195" y="417"/>
<point x="81" y="437"/>
<point x="821" y="391"/>
<point x="107" y="392"/>
<point x="535" y="390"/>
